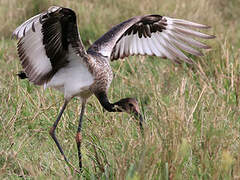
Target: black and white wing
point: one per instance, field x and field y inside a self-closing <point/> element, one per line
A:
<point x="46" y="41"/>
<point x="152" y="35"/>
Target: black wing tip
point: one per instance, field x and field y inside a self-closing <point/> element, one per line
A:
<point x="207" y="27"/>
<point x="212" y="36"/>
<point x="22" y="75"/>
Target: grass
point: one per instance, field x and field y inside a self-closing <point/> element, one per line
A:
<point x="192" y="116"/>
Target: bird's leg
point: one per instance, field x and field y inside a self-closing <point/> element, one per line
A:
<point x="52" y="130"/>
<point x="79" y="135"/>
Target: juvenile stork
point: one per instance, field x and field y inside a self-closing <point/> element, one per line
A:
<point x="52" y="54"/>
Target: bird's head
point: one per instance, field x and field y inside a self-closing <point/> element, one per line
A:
<point x="129" y="105"/>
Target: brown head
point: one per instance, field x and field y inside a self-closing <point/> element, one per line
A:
<point x="129" y="105"/>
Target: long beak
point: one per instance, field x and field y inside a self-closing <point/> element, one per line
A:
<point x="140" y="117"/>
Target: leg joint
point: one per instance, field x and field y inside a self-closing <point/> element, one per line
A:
<point x="78" y="137"/>
<point x="52" y="131"/>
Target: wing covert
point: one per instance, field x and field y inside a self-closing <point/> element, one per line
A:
<point x="153" y="35"/>
<point x="44" y="42"/>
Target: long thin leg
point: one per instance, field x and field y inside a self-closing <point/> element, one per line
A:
<point x="141" y="125"/>
<point x="79" y="135"/>
<point x="52" y="130"/>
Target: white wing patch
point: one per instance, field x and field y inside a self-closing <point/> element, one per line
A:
<point x="32" y="52"/>
<point x="34" y="49"/>
<point x="175" y="36"/>
<point x="29" y="25"/>
<point x="26" y="26"/>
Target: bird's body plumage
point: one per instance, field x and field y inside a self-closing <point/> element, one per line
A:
<point x="74" y="79"/>
<point x="52" y="53"/>
<point x="60" y="61"/>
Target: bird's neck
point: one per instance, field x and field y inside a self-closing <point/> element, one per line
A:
<point x="103" y="99"/>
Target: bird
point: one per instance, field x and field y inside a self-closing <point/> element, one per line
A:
<point x="52" y="54"/>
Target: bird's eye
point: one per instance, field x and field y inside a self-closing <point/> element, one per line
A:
<point x="130" y="104"/>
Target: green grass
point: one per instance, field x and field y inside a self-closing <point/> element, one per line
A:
<point x="192" y="116"/>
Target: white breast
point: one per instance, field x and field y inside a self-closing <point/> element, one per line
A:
<point x="73" y="79"/>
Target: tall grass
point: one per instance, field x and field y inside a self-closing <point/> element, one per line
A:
<point x="192" y="117"/>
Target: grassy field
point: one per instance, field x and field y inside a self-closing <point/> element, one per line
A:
<point x="192" y="116"/>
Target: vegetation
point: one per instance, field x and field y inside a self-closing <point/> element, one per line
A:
<point x="192" y="116"/>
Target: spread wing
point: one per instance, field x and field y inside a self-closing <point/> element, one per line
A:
<point x="46" y="41"/>
<point x="152" y="35"/>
